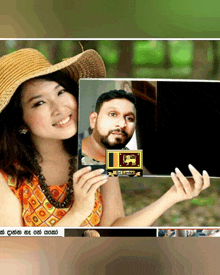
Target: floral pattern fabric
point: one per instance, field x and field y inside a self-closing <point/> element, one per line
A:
<point x="37" y="210"/>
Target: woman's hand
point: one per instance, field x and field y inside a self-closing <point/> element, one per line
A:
<point x="184" y="188"/>
<point x="85" y="184"/>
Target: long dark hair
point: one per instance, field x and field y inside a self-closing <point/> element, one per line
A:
<point x="17" y="151"/>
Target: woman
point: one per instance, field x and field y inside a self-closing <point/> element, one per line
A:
<point x="38" y="104"/>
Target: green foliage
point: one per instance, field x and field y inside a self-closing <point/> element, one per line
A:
<point x="203" y="201"/>
<point x="11" y="45"/>
<point x="200" y="211"/>
<point x="181" y="53"/>
<point x="148" y="56"/>
<point x="44" y="50"/>
<point x="149" y="53"/>
<point x="66" y="47"/>
<point x="173" y="72"/>
<point x="109" y="51"/>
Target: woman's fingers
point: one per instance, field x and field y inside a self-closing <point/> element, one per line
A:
<point x="90" y="180"/>
<point x="201" y="181"/>
<point x="78" y="174"/>
<point x="87" y="175"/>
<point x="206" y="180"/>
<point x="198" y="185"/>
<point x="190" y="187"/>
<point x="97" y="181"/>
<point x="185" y="183"/>
<point x="86" y="183"/>
<point x="176" y="181"/>
<point x="96" y="185"/>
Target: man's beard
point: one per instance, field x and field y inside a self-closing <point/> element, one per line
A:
<point x="117" y="144"/>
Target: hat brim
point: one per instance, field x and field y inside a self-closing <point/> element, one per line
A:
<point x="87" y="64"/>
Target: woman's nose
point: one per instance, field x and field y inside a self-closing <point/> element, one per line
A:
<point x="57" y="108"/>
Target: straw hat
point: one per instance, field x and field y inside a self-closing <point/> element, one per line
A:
<point x="22" y="65"/>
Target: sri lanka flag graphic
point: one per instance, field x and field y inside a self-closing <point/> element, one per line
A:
<point x="124" y="162"/>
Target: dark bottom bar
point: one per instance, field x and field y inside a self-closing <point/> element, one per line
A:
<point x="113" y="232"/>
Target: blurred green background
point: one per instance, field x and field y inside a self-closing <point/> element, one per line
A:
<point x="109" y="19"/>
<point x="181" y="59"/>
<point x="203" y="210"/>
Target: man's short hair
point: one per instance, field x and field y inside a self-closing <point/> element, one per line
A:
<point x="114" y="94"/>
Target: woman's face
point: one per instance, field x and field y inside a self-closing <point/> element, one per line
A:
<point x="49" y="111"/>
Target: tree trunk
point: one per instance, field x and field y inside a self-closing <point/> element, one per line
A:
<point x="125" y="59"/>
<point x="167" y="61"/>
<point x="3" y="48"/>
<point x="215" y="70"/>
<point x="201" y="66"/>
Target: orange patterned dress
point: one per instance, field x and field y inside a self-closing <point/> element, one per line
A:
<point x="36" y="209"/>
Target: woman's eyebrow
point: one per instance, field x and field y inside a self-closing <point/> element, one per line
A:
<point x="37" y="96"/>
<point x="32" y="98"/>
<point x="58" y="86"/>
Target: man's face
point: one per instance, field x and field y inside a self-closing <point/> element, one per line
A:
<point x="114" y="125"/>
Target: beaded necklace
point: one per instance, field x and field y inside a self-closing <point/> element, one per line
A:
<point x="69" y="189"/>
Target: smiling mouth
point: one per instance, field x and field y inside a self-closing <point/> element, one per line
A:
<point x="63" y="122"/>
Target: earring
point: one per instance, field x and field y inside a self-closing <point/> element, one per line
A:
<point x="23" y="131"/>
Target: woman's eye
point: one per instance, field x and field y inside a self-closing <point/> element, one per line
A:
<point x="61" y="92"/>
<point x="39" y="103"/>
